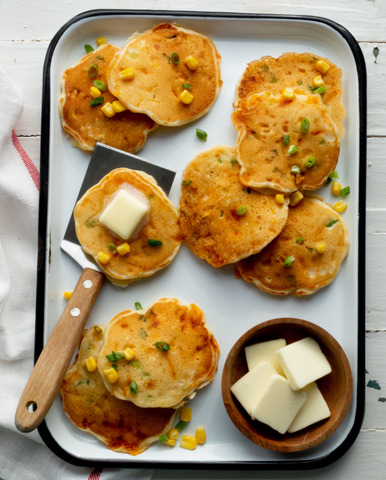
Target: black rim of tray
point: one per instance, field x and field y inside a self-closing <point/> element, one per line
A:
<point x="282" y="464"/>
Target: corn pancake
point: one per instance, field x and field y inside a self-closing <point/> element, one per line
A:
<point x="143" y="260"/>
<point x="164" y="378"/>
<point x="211" y="194"/>
<point x="87" y="125"/>
<point x="158" y="80"/>
<point x="310" y="270"/>
<point x="261" y="123"/>
<point x="294" y="70"/>
<point x="121" y="425"/>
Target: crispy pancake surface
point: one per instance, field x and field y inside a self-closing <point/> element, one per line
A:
<point x="121" y="425"/>
<point x="143" y="260"/>
<point x="262" y="121"/>
<point x="158" y="80"/>
<point x="164" y="378"/>
<point x="310" y="270"/>
<point x="211" y="195"/>
<point x="294" y="70"/>
<point x="87" y="125"/>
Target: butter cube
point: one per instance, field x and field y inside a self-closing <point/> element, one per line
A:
<point x="303" y="362"/>
<point x="124" y="213"/>
<point x="279" y="404"/>
<point x="314" y="409"/>
<point x="265" y="352"/>
<point x="251" y="385"/>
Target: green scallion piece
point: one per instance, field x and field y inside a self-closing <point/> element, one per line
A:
<point x="295" y="169"/>
<point x="111" y="357"/>
<point x="242" y="210"/>
<point x="138" y="306"/>
<point x="91" y="223"/>
<point x="299" y="239"/>
<point x="300" y="82"/>
<point x="114" y="366"/>
<point x="219" y="160"/>
<point x="100" y="85"/>
<point x="304" y="125"/>
<point x="96" y="101"/>
<point x="133" y="388"/>
<point x="80" y="382"/>
<point x="93" y="70"/>
<point x="98" y="329"/>
<point x="180" y="425"/>
<point x="163" y="346"/>
<point x="164" y="438"/>
<point x="274" y="80"/>
<point x="88" y="48"/>
<point x="320" y="90"/>
<point x="201" y="134"/>
<point x="334" y="174"/>
<point x="112" y="247"/>
<point x="186" y="182"/>
<point x="154" y="243"/>
<point x="289" y="261"/>
<point x="333" y="222"/>
<point x="344" y="192"/>
<point x="292" y="149"/>
<point x="310" y="162"/>
<point x="286" y="139"/>
<point x="328" y="181"/>
<point x="187" y="86"/>
<point x="175" y="58"/>
<point x="118" y="356"/>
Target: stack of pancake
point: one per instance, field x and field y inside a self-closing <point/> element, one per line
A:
<point x="140" y="406"/>
<point x="234" y="201"/>
<point x="160" y="73"/>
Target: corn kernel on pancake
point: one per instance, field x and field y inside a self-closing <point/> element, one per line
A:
<point x="121" y="425"/>
<point x="87" y="125"/>
<point x="309" y="224"/>
<point x="262" y="121"/>
<point x="160" y="77"/>
<point x="297" y="71"/>
<point x="162" y="378"/>
<point x="143" y="260"/>
<point x="212" y="196"/>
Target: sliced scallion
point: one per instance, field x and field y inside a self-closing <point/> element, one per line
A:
<point x="286" y="139"/>
<point x="295" y="169"/>
<point x="114" y="366"/>
<point x="299" y="239"/>
<point x="292" y="149"/>
<point x="163" y="346"/>
<point x="138" y="306"/>
<point x="98" y="329"/>
<point x="304" y="125"/>
<point x="344" y="192"/>
<point x="187" y="86"/>
<point x="328" y="181"/>
<point x="289" y="261"/>
<point x="88" y="48"/>
<point x="112" y="247"/>
<point x="96" y="101"/>
<point x="154" y="243"/>
<point x="133" y="388"/>
<point x="334" y="174"/>
<point x="93" y="70"/>
<point x="333" y="222"/>
<point x="242" y="210"/>
<point x="310" y="162"/>
<point x="320" y="90"/>
<point x="180" y="425"/>
<point x="100" y="85"/>
<point x="201" y="134"/>
<point x="175" y="58"/>
<point x="186" y="182"/>
<point x="164" y="438"/>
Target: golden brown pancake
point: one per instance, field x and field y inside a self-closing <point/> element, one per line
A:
<point x="312" y="221"/>
<point x="143" y="260"/>
<point x="122" y="426"/>
<point x="87" y="125"/>
<point x="294" y="70"/>
<point x="159" y="81"/>
<point x="211" y="196"/>
<point x="163" y="378"/>
<point x="262" y="121"/>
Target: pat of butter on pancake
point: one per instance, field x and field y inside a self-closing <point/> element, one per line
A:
<point x="123" y="215"/>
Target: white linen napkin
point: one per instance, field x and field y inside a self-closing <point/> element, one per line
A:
<point x="24" y="455"/>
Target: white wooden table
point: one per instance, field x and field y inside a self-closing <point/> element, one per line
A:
<point x="27" y="27"/>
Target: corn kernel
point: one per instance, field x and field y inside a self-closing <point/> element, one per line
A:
<point x="173" y="434"/>
<point x="95" y="92"/>
<point x="336" y="188"/>
<point x="340" y="206"/>
<point x="123" y="249"/>
<point x="186" y="97"/>
<point x="118" y="107"/>
<point x="111" y="375"/>
<point x="129" y="353"/>
<point x="170" y="442"/>
<point x="108" y="110"/>
<point x="288" y="93"/>
<point x="91" y="364"/>
<point x="318" y="81"/>
<point x="321" y="248"/>
<point x="185" y="414"/>
<point x="295" y="198"/>
<point x="279" y="198"/>
<point x="191" y="62"/>
<point x="188" y="442"/>
<point x="127" y="74"/>
<point x="101" y="41"/>
<point x="322" y="66"/>
<point x="103" y="258"/>
<point x="200" y="435"/>
<point x="67" y="295"/>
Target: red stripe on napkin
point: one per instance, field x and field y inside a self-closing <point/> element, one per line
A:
<point x="95" y="474"/>
<point x="32" y="170"/>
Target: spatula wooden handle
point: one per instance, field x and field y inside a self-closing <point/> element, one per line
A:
<point x="50" y="369"/>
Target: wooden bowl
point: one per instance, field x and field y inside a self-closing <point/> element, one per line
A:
<point x="336" y="387"/>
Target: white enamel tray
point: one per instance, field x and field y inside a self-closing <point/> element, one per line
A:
<point x="231" y="306"/>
